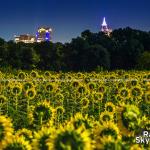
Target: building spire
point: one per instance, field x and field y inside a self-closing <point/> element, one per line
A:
<point x="104" y="22"/>
<point x="104" y="27"/>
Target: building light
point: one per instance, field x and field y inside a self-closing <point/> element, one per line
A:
<point x="26" y="38"/>
<point x="104" y="27"/>
<point x="43" y="34"/>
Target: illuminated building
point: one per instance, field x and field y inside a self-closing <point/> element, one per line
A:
<point x="26" y="38"/>
<point x="105" y="28"/>
<point x="43" y="34"/>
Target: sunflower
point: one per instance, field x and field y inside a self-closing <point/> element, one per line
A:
<point x="53" y="78"/>
<point x="124" y="93"/>
<point x="21" y="75"/>
<point x="119" y="72"/>
<point x="134" y="82"/>
<point x="62" y="84"/>
<point x="42" y="113"/>
<point x="40" y="138"/>
<point x="101" y="88"/>
<point x="110" y="107"/>
<point x="18" y="143"/>
<point x="47" y="74"/>
<point x="128" y="119"/>
<point x="6" y="131"/>
<point x="27" y="134"/>
<point x="59" y="98"/>
<point x="118" y="99"/>
<point x="69" y="77"/>
<point x="82" y="89"/>
<point x="30" y="93"/>
<point x="62" y="76"/>
<point x="75" y="84"/>
<point x="70" y="139"/>
<point x="136" y="147"/>
<point x="60" y="110"/>
<point x="91" y="85"/>
<point x="80" y="75"/>
<point x="79" y="120"/>
<point x="28" y="85"/>
<point x="107" y="129"/>
<point x="34" y="74"/>
<point x="136" y="92"/>
<point x="41" y="78"/>
<point x="108" y="143"/>
<point x="84" y="103"/>
<point x="50" y="87"/>
<point x="98" y="96"/>
<point x="2" y="82"/>
<point x="112" y="77"/>
<point x="147" y="97"/>
<point x="16" y="89"/>
<point x="3" y="99"/>
<point x="105" y="117"/>
<point x="145" y="123"/>
<point x="148" y="86"/>
<point x="87" y="80"/>
<point x="120" y="85"/>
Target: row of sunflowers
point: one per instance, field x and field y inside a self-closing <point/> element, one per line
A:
<point x="74" y="111"/>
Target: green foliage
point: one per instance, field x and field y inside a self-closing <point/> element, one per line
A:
<point x="124" y="49"/>
<point x="144" y="60"/>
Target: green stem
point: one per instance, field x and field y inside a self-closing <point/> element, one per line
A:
<point x="16" y="103"/>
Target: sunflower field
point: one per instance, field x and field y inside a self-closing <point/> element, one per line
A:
<point x="74" y="111"/>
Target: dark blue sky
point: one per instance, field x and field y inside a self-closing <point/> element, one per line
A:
<point x="68" y="18"/>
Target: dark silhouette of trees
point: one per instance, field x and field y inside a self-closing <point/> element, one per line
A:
<point x="124" y="49"/>
<point x="144" y="61"/>
<point x="98" y="56"/>
<point x="76" y="54"/>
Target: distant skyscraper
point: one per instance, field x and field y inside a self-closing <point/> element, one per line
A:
<point x="25" y="38"/>
<point x="43" y="34"/>
<point x="105" y="28"/>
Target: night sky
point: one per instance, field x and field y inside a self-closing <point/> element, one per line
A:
<point x="68" y="18"/>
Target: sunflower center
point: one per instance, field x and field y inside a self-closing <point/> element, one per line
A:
<point x="107" y="132"/>
<point x="124" y="93"/>
<point x="69" y="140"/>
<point x="42" y="142"/>
<point x="16" y="90"/>
<point x="15" y="146"/>
<point x="49" y="87"/>
<point x="129" y="119"/>
<point x="109" y="146"/>
<point x="109" y="108"/>
<point x="42" y="111"/>
<point x="81" y="90"/>
<point x="106" y="118"/>
<point x="136" y="92"/>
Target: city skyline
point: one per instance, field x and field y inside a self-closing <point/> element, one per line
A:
<point x="69" y="19"/>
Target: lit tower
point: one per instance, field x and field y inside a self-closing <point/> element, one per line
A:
<point x="44" y="34"/>
<point x="105" y="28"/>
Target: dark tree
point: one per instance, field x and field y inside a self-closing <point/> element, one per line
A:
<point x="98" y="56"/>
<point x="144" y="61"/>
<point x="125" y="49"/>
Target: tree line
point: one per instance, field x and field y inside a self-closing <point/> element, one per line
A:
<point x="125" y="49"/>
